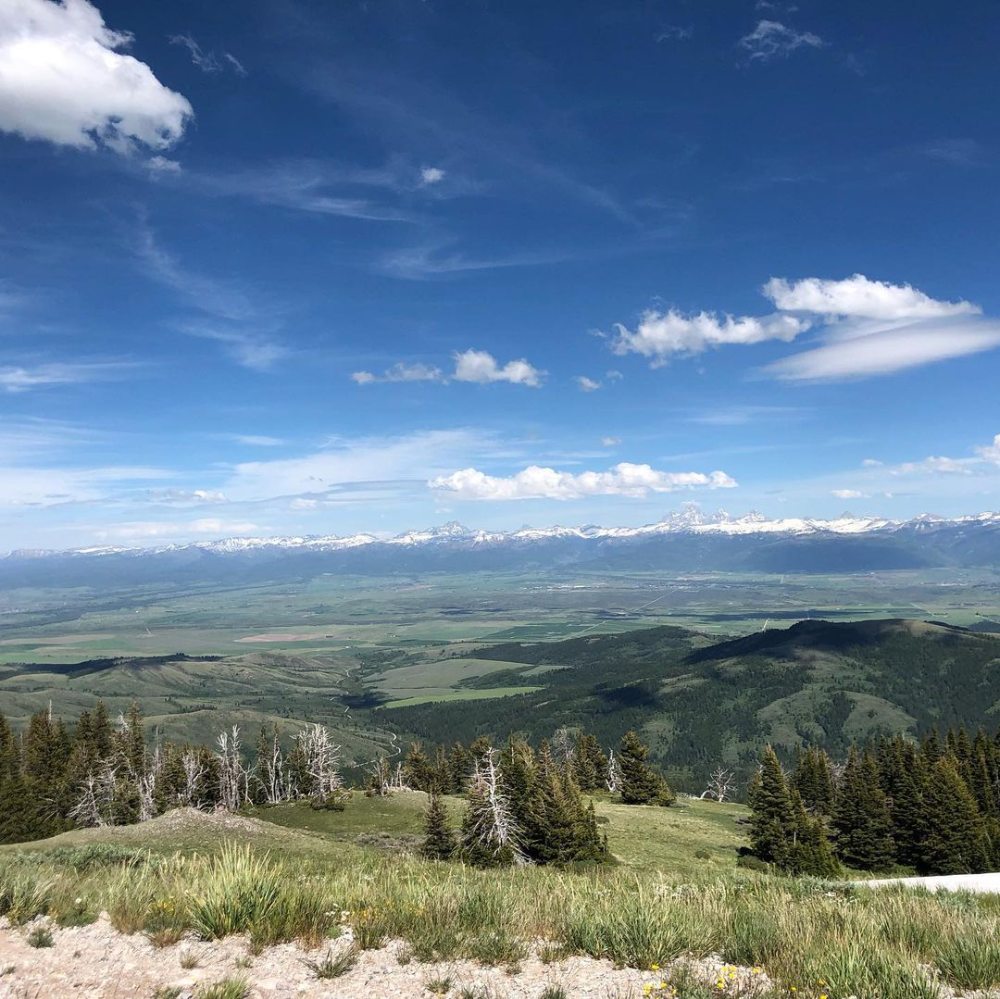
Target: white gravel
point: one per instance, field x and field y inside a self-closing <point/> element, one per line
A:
<point x="97" y="961"/>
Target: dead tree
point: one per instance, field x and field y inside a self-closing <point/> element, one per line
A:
<point x="271" y="774"/>
<point x="322" y="760"/>
<point x="194" y="773"/>
<point x="491" y="823"/>
<point x="231" y="772"/>
<point x="380" y="782"/>
<point x="95" y="806"/>
<point x="563" y="746"/>
<point x="613" y="778"/>
<point x="721" y="785"/>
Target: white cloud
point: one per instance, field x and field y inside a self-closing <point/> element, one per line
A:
<point x="257" y="440"/>
<point x="610" y="441"/>
<point x="64" y="79"/>
<point x="163" y="165"/>
<point x="853" y="353"/>
<point x="661" y="335"/>
<point x="481" y="367"/>
<point x="772" y="39"/>
<point x="401" y="372"/>
<point x="14" y="378"/>
<point x="624" y="479"/>
<point x="350" y="462"/>
<point x="147" y="530"/>
<point x="857" y="297"/>
<point x="208" y="62"/>
<point x="22" y="486"/>
<point x="432" y="175"/>
<point x="990" y="452"/>
<point x="847" y="494"/>
<point x="586" y="384"/>
<point x="249" y="348"/>
<point x="935" y="465"/>
<point x="187" y="497"/>
<point x="872" y="463"/>
<point x="865" y="328"/>
<point x="303" y="503"/>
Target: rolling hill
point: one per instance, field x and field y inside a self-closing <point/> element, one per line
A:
<point x="701" y="704"/>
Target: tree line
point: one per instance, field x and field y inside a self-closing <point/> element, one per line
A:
<point x="931" y="806"/>
<point x="102" y="771"/>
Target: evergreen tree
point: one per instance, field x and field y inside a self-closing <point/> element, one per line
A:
<point x="460" y="763"/>
<point x="589" y="763"/>
<point x="417" y="770"/>
<point x="813" y="780"/>
<point x="640" y="783"/>
<point x="439" y="840"/>
<point x="809" y="850"/>
<point x="773" y="820"/>
<point x="954" y="839"/>
<point x="861" y="816"/>
<point x="905" y="777"/>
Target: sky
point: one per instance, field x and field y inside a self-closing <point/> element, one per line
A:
<point x="293" y="267"/>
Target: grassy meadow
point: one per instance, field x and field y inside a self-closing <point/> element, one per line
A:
<point x="675" y="892"/>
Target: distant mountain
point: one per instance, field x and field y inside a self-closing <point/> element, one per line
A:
<point x="683" y="542"/>
<point x="702" y="704"/>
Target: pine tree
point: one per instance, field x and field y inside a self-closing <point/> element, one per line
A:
<point x="772" y="818"/>
<point x="589" y="763"/>
<point x="460" y="763"/>
<point x="640" y="783"/>
<point x="814" y="781"/>
<point x="809" y="851"/>
<point x="417" y="770"/>
<point x="439" y="840"/>
<point x="861" y="816"/>
<point x="905" y="778"/>
<point x="954" y="839"/>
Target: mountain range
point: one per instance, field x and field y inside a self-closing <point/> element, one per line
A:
<point x="685" y="542"/>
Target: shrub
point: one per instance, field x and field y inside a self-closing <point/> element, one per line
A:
<point x="40" y="936"/>
<point x="334" y="964"/>
<point x="237" y="894"/>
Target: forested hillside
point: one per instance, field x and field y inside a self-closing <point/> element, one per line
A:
<point x="700" y="705"/>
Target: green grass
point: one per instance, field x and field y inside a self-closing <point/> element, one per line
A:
<point x="488" y="693"/>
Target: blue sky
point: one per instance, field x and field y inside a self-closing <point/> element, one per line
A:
<point x="299" y="267"/>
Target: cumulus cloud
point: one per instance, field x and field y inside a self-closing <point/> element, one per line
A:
<point x="65" y="79"/>
<point x="534" y="482"/>
<point x="401" y="372"/>
<point x="586" y="384"/>
<point x="858" y="297"/>
<point x="482" y="367"/>
<point x="660" y="335"/>
<point x="864" y="327"/>
<point x="773" y="40"/>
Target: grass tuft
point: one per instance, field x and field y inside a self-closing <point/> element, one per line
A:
<point x="334" y="964"/>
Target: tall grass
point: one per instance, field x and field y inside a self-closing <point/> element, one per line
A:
<point x="802" y="933"/>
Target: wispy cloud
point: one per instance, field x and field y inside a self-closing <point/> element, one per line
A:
<point x="774" y="40"/>
<point x="24" y="378"/>
<point x="585" y="384"/>
<point x="247" y="333"/>
<point x="65" y="79"/>
<point x="534" y="482"/>
<point x="206" y="60"/>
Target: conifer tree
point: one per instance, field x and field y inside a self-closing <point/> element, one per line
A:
<point x="814" y="781"/>
<point x="417" y="770"/>
<point x="589" y="763"/>
<point x="772" y="818"/>
<point x="809" y="850"/>
<point x="460" y="765"/>
<point x="439" y="840"/>
<point x="954" y="839"/>
<point x="640" y="783"/>
<point x="861" y="816"/>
